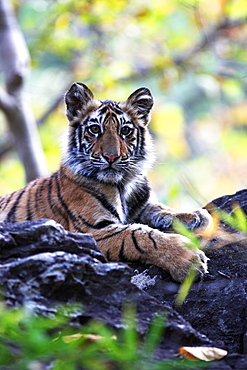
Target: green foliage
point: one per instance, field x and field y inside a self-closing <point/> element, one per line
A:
<point x="194" y="243"/>
<point x="186" y="286"/>
<point x="180" y="228"/>
<point x="236" y="219"/>
<point x="28" y="341"/>
<point x="238" y="222"/>
<point x="191" y="54"/>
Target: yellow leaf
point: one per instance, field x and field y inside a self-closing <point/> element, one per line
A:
<point x="90" y="337"/>
<point x="202" y="353"/>
<point x="71" y="338"/>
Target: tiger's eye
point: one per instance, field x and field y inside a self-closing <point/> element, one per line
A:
<point x="126" y="130"/>
<point x="94" y="129"/>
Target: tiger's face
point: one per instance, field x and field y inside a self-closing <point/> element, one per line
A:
<point x="108" y="141"/>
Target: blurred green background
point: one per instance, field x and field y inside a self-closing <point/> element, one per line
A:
<point x="191" y="54"/>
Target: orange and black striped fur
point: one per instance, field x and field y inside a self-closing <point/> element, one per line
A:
<point x="101" y="186"/>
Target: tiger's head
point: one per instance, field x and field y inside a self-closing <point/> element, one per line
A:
<point x="108" y="141"/>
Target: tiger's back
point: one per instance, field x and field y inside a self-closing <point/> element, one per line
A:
<point x="39" y="199"/>
<point x="101" y="186"/>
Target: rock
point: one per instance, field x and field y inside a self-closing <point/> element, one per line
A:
<point x="31" y="238"/>
<point x="217" y="305"/>
<point x="43" y="265"/>
<point x="229" y="202"/>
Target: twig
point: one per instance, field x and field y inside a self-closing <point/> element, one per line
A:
<point x="7" y="102"/>
<point x="14" y="59"/>
<point x="207" y="38"/>
<point x="9" y="143"/>
<point x="222" y="274"/>
<point x="50" y="109"/>
<point x="57" y="101"/>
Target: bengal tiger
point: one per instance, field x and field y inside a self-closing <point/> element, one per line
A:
<point x="101" y="186"/>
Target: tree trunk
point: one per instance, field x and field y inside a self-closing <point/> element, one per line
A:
<point x="14" y="61"/>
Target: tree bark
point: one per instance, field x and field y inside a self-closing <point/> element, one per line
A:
<point x="14" y="61"/>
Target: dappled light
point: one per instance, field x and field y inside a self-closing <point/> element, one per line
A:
<point x="191" y="55"/>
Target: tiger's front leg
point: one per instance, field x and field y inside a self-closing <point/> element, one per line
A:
<point x="138" y="242"/>
<point x="162" y="217"/>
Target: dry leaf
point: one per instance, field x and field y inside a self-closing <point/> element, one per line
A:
<point x="202" y="353"/>
<point x="71" y="338"/>
<point x="90" y="337"/>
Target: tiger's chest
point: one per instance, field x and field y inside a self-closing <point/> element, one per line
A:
<point x="132" y="198"/>
<point x="120" y="205"/>
<point x="102" y="203"/>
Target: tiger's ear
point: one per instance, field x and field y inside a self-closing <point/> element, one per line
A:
<point x="142" y="101"/>
<point x="77" y="98"/>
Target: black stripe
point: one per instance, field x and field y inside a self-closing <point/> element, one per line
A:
<point x="94" y="120"/>
<point x="137" y="141"/>
<point x="102" y="224"/>
<point x="104" y="109"/>
<point x="99" y="196"/>
<point x="82" y="219"/>
<point x="11" y="214"/>
<point x="107" y="116"/>
<point x="38" y="193"/>
<point x="122" y="198"/>
<point x="64" y="205"/>
<point x="29" y="204"/>
<point x="86" y="120"/>
<point x="138" y="198"/>
<point x="72" y="139"/>
<point x="103" y="200"/>
<point x="108" y="255"/>
<point x="143" y="210"/>
<point x="54" y="207"/>
<point x="111" y="235"/>
<point x="5" y="200"/>
<point x="142" y="141"/>
<point x="122" y="256"/>
<point x="150" y="237"/>
<point x="98" y="226"/>
<point x="116" y="109"/>
<point x="136" y="243"/>
<point x="49" y="197"/>
<point x="29" y="211"/>
<point x="79" y="137"/>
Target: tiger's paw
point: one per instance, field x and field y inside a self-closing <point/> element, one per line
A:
<point x="197" y="263"/>
<point x="199" y="219"/>
<point x="184" y="260"/>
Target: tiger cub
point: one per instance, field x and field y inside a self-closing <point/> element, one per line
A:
<point x="101" y="186"/>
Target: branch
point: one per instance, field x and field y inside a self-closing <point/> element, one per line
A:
<point x="14" y="58"/>
<point x="53" y="106"/>
<point x="7" y="102"/>
<point x="14" y="54"/>
<point x="8" y="143"/>
<point x="208" y="37"/>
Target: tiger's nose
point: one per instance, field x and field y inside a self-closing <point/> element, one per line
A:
<point x="111" y="158"/>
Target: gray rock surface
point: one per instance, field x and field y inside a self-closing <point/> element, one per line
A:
<point x="43" y="265"/>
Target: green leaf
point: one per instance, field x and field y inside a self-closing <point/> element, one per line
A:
<point x="185" y="286"/>
<point x="154" y="335"/>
